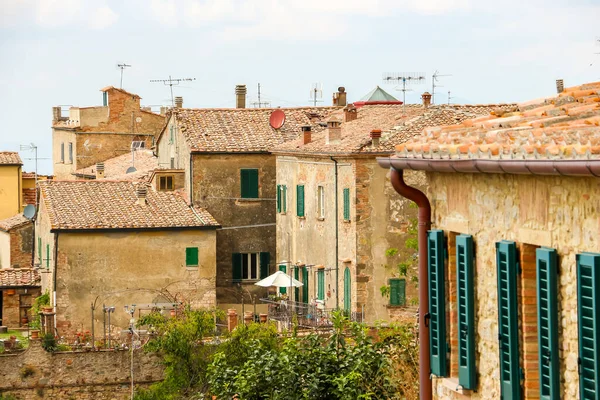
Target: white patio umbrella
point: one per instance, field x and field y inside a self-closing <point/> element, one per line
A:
<point x="279" y="279"/>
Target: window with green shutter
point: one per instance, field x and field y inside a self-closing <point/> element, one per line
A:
<point x="278" y="198"/>
<point x="508" y="333"/>
<point x="397" y="292"/>
<point x="321" y="284"/>
<point x="283" y="269"/>
<point x="249" y="183"/>
<point x="588" y="310"/>
<point x="297" y="290"/>
<point x="467" y="374"/>
<point x="300" y="200"/>
<point x="47" y="256"/>
<point x="305" y="286"/>
<point x="547" y="301"/>
<point x="40" y="250"/>
<point x="265" y="259"/>
<point x="346" y="204"/>
<point x="347" y="290"/>
<point x="437" y="302"/>
<point x="191" y="257"/>
<point x="236" y="267"/>
<point x="284" y="198"/>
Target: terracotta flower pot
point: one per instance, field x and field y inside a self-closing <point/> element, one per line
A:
<point x="47" y="310"/>
<point x="35" y="334"/>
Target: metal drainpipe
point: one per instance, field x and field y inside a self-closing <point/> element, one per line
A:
<point x="337" y="262"/>
<point x="424" y="218"/>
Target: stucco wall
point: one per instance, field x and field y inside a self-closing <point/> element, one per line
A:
<point x="10" y="190"/>
<point x="176" y="149"/>
<point x="63" y="170"/>
<point x="4" y="249"/>
<point x="558" y="212"/>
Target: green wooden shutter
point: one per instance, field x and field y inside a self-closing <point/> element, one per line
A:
<point x="296" y="277"/>
<point x="40" y="250"/>
<point x="249" y="183"/>
<point x="278" y="198"/>
<point x="300" y="200"/>
<point x="467" y="374"/>
<point x="284" y="198"/>
<point x="321" y="284"/>
<point x="346" y="204"/>
<point x="437" y="302"/>
<point x="547" y="323"/>
<point x="305" y="287"/>
<point x="508" y="334"/>
<point x="397" y="291"/>
<point x="47" y="256"/>
<point x="588" y="310"/>
<point x="265" y="259"/>
<point x="347" y="290"/>
<point x="282" y="268"/>
<point x="236" y="263"/>
<point x="191" y="256"/>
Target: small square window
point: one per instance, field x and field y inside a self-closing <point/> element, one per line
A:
<point x="191" y="257"/>
<point x="165" y="183"/>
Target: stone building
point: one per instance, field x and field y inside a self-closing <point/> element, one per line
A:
<point x="120" y="243"/>
<point x="18" y="288"/>
<point x="16" y="242"/>
<point x="89" y="135"/>
<point x="136" y="165"/>
<point x="11" y="194"/>
<point x="222" y="158"/>
<point x="514" y="205"/>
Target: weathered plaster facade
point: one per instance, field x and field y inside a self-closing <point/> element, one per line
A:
<point x="10" y="190"/>
<point x="558" y="212"/>
<point x="16" y="246"/>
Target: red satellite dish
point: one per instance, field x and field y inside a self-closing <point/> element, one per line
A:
<point x="277" y="119"/>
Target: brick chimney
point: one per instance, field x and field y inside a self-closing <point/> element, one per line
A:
<point x="560" y="86"/>
<point x="240" y="96"/>
<point x="178" y="102"/>
<point x="99" y="170"/>
<point x="334" y="131"/>
<point x="56" y="114"/>
<point x="141" y="192"/>
<point x="375" y="136"/>
<point x="350" y="113"/>
<point x="339" y="97"/>
<point x="307" y="134"/>
<point x="426" y="97"/>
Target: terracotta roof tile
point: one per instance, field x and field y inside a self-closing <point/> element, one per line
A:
<point x="10" y="158"/>
<point x="103" y="204"/>
<point x="13" y="222"/>
<point x="115" y="168"/>
<point x="29" y="196"/>
<point x="19" y="277"/>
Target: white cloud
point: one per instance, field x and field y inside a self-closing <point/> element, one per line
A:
<point x="165" y="11"/>
<point x="103" y="17"/>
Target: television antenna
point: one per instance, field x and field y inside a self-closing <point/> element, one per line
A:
<point x="434" y="79"/>
<point x="406" y="78"/>
<point x="122" y="67"/>
<point x="449" y="97"/>
<point x="32" y="147"/>
<point x="259" y="103"/>
<point x="597" y="44"/>
<point x="316" y="93"/>
<point x="172" y="82"/>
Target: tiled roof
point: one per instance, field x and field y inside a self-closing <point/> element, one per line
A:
<point x="103" y="204"/>
<point x="10" y="158"/>
<point x="29" y="196"/>
<point x="13" y="222"/>
<point x="244" y="129"/>
<point x="115" y="168"/>
<point x="563" y="127"/>
<point x="19" y="277"/>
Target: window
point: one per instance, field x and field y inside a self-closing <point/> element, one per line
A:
<point x="282" y="268"/>
<point x="71" y="152"/>
<point x="281" y="199"/>
<point x="437" y="302"/>
<point x="467" y="376"/>
<point x="105" y="99"/>
<point x="347" y="290"/>
<point x="320" y="202"/>
<point x="588" y="314"/>
<point x="397" y="292"/>
<point x="278" y="198"/>
<point x="166" y="183"/>
<point x="284" y="198"/>
<point x="305" y="286"/>
<point x="508" y="333"/>
<point x="346" y="204"/>
<point x="297" y="290"/>
<point x="40" y="250"/>
<point x="250" y="266"/>
<point x="62" y="152"/>
<point x="249" y="183"/>
<point x="172" y="162"/>
<point x="300" y="200"/>
<point x="47" y="256"/>
<point x="191" y="257"/>
<point x="321" y="284"/>
<point x="171" y="134"/>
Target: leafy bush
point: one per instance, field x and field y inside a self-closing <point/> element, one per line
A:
<point x="49" y="342"/>
<point x="38" y="303"/>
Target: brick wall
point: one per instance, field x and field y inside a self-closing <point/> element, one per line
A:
<point x="21" y="243"/>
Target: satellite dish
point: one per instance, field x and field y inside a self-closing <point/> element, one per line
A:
<point x="130" y="170"/>
<point x="277" y="119"/>
<point x="29" y="211"/>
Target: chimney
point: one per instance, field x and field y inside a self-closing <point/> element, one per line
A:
<point x="339" y="97"/>
<point x="306" y="134"/>
<point x="56" y="114"/>
<point x="141" y="191"/>
<point x="334" y="131"/>
<point x="350" y="113"/>
<point x="99" y="170"/>
<point x="560" y="86"/>
<point x="426" y="97"/>
<point x="375" y="136"/>
<point x="163" y="110"/>
<point x="178" y="102"/>
<point x="240" y="96"/>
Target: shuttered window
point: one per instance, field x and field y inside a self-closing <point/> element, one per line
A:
<point x="347" y="290"/>
<point x="284" y="198"/>
<point x="397" y="292"/>
<point x="191" y="257"/>
<point x="437" y="301"/>
<point x="40" y="250"/>
<point x="265" y="259"/>
<point x="282" y="290"/>
<point x="71" y="152"/>
<point x="47" y="256"/>
<point x="588" y="310"/>
<point x="321" y="284"/>
<point x="236" y="261"/>
<point x="508" y="334"/>
<point x="249" y="183"/>
<point x="305" y="287"/>
<point x="62" y="152"/>
<point x="300" y="200"/>
<point x="278" y="198"/>
<point x="297" y="290"/>
<point x="546" y="260"/>
<point x="346" y="204"/>
<point x="467" y="375"/>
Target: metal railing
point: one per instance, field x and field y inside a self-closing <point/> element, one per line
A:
<point x="306" y="315"/>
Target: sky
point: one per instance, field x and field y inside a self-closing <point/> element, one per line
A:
<point x="62" y="52"/>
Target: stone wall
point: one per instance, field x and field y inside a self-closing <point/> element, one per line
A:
<point x="37" y="374"/>
<point x="558" y="212"/>
<point x="12" y="312"/>
<point x="21" y="245"/>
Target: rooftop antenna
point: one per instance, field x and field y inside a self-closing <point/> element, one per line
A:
<point x="406" y="78"/>
<point x="33" y="147"/>
<point x="122" y="67"/>
<point x="449" y="97"/>
<point x="259" y="103"/>
<point x="597" y="44"/>
<point x="434" y="79"/>
<point x="172" y="82"/>
<point x="316" y="93"/>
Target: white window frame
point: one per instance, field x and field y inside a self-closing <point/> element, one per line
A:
<point x="247" y="266"/>
<point x="321" y="202"/>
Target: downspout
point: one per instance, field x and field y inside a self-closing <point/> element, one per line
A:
<point x="424" y="219"/>
<point x="337" y="262"/>
<point x="54" y="277"/>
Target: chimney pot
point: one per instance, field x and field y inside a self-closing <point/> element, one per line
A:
<point x="178" y="102"/>
<point x="339" y="97"/>
<point x="240" y="96"/>
<point x="426" y="97"/>
<point x="350" y="113"/>
<point x="560" y="86"/>
<point x="375" y="136"/>
<point x="99" y="170"/>
<point x="334" y="131"/>
<point x="141" y="192"/>
<point x="306" y="132"/>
